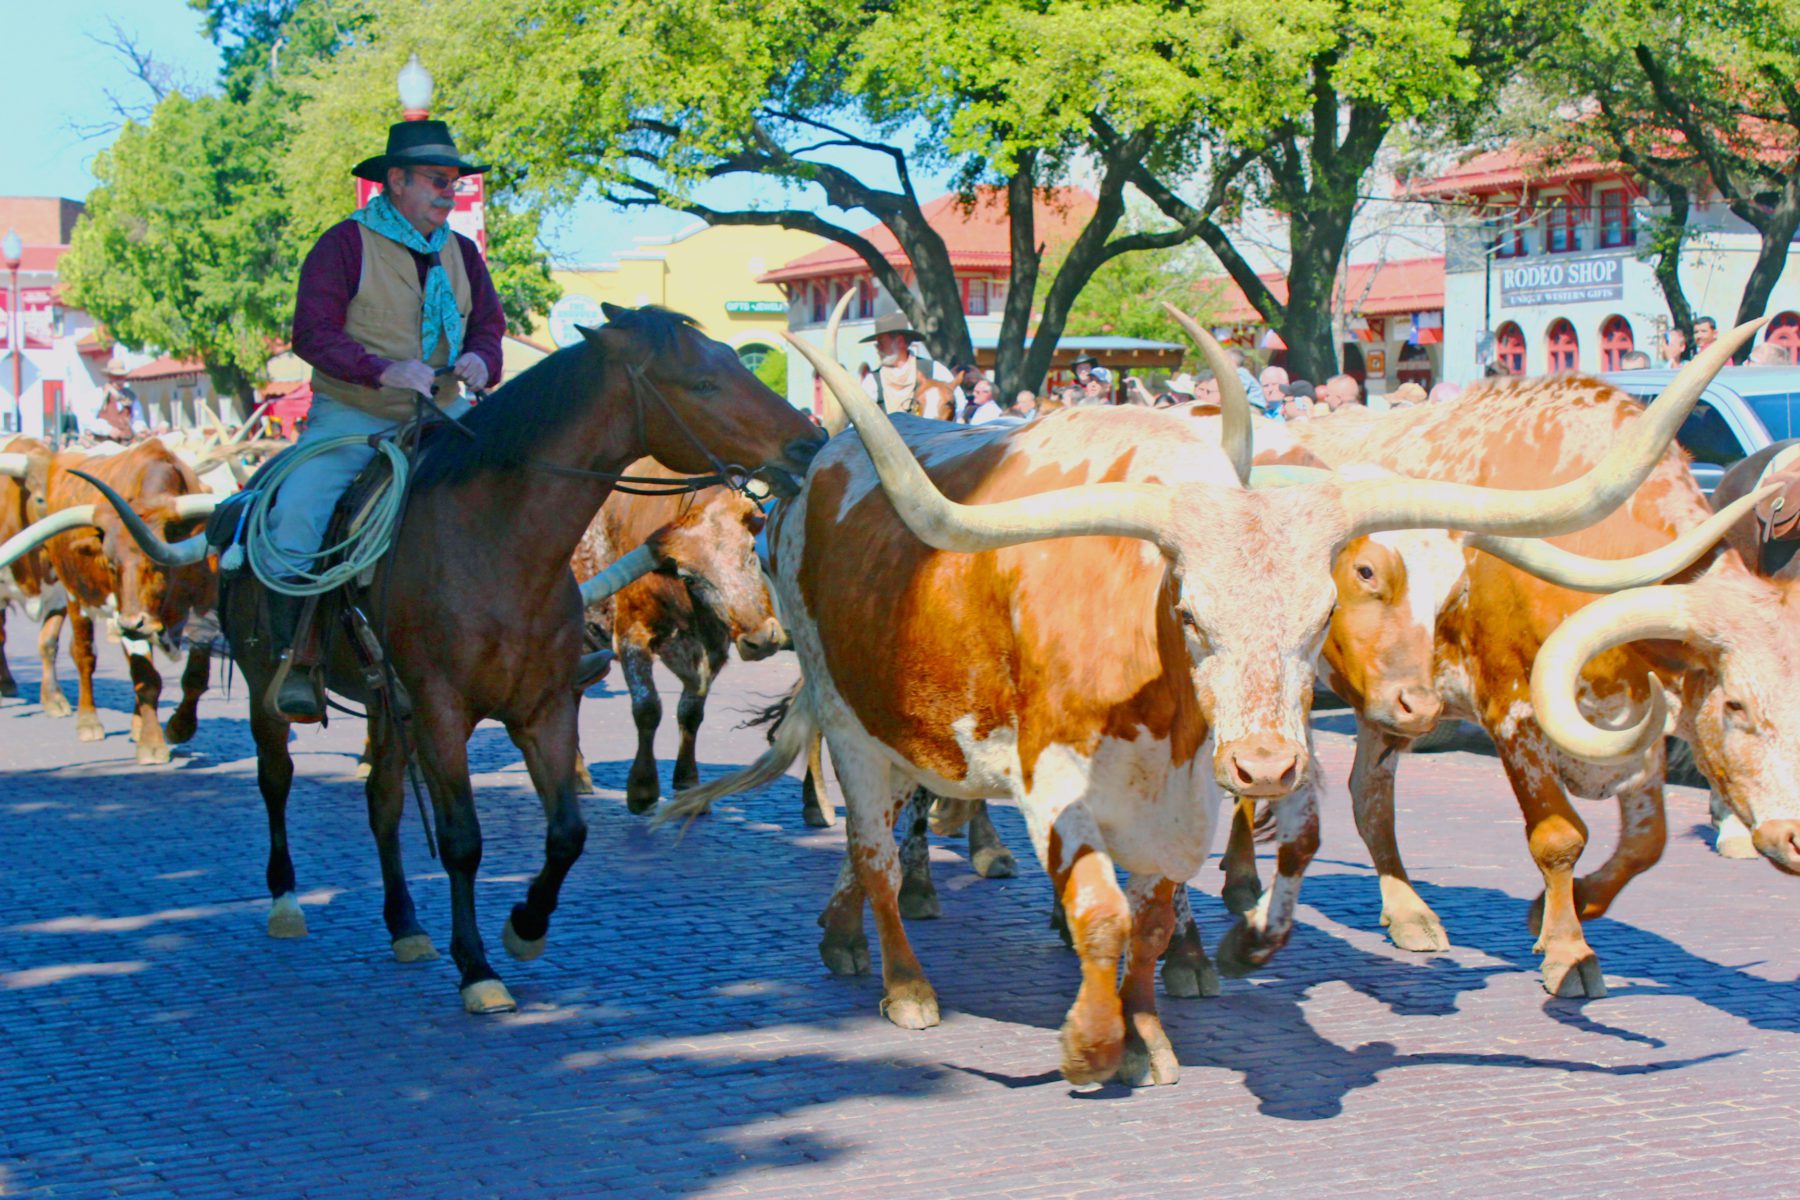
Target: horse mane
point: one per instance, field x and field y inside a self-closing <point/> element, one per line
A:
<point x="533" y="409"/>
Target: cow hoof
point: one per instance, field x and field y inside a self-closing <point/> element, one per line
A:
<point x="8" y="689"/>
<point x="845" y="958"/>
<point x="1733" y="840"/>
<point x="55" y="704"/>
<point x="89" y="729"/>
<point x="920" y="903"/>
<point x="1086" y="1060"/>
<point x="153" y="755"/>
<point x="1186" y="981"/>
<point x="487" y="996"/>
<point x="1148" y="1062"/>
<point x="584" y="783"/>
<point x="180" y="729"/>
<point x="1241" y="897"/>
<point x="1422" y="934"/>
<point x="994" y="862"/>
<point x="364" y="769"/>
<point x="1574" y="980"/>
<point x="414" y="947"/>
<point x="815" y="818"/>
<point x="1241" y="952"/>
<point x="520" y="948"/>
<point x="285" y="918"/>
<point x="911" y="1006"/>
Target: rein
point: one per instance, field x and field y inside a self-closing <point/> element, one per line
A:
<point x="729" y="475"/>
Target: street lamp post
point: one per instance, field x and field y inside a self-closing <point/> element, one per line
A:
<point x="12" y="248"/>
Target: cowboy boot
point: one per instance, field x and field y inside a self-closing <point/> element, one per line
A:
<point x="293" y="696"/>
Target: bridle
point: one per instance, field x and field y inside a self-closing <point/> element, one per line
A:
<point x="724" y="474"/>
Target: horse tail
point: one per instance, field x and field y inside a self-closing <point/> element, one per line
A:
<point x="789" y="739"/>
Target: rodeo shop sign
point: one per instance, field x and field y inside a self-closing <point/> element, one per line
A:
<point x="1568" y="281"/>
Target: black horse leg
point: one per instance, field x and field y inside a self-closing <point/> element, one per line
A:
<point x="274" y="777"/>
<point x="690" y="710"/>
<point x="386" y="792"/>
<point x="8" y="687"/>
<point x="548" y="743"/>
<point x="641" y="785"/>
<point x="185" y="720"/>
<point x="441" y="740"/>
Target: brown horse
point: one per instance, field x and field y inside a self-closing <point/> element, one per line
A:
<point x="483" y="618"/>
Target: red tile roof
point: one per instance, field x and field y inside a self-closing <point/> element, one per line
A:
<point x="42" y="259"/>
<point x="976" y="237"/>
<point x="1507" y="170"/>
<point x="1399" y="286"/>
<point x="165" y="367"/>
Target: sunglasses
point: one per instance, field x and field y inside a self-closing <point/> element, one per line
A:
<point x="441" y="183"/>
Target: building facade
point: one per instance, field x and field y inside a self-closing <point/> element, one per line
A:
<point x="53" y="358"/>
<point x="712" y="273"/>
<point x="1543" y="267"/>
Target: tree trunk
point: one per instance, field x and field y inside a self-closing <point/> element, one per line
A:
<point x="1011" y="371"/>
<point x="1671" y="240"/>
<point x="1771" y="258"/>
<point x="1316" y="240"/>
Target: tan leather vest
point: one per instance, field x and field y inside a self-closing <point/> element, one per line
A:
<point x="383" y="319"/>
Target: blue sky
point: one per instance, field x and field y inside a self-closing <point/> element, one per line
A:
<point x="59" y="84"/>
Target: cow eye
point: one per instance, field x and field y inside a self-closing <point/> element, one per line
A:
<point x="1365" y="572"/>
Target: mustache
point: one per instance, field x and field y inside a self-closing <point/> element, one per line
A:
<point x="442" y="202"/>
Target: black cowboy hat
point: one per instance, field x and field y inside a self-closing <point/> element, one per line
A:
<point x="415" y="144"/>
<point x="1089" y="359"/>
<point x="894" y="322"/>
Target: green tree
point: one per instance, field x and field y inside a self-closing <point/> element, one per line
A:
<point x="185" y="246"/>
<point x="1691" y="97"/>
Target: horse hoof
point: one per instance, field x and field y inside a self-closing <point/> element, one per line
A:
<point x="1148" y="1062"/>
<point x="414" y="947"/>
<point x="180" y="730"/>
<point x="584" y="784"/>
<point x="912" y="1009"/>
<point x="364" y="769"/>
<point x="815" y="818"/>
<point x="1241" y="898"/>
<point x="517" y="946"/>
<point x="8" y="689"/>
<point x="285" y="918"/>
<point x="486" y="997"/>
<point x="89" y="729"/>
<point x="995" y="862"/>
<point x="151" y="756"/>
<point x="55" y="704"/>
<point x="639" y="802"/>
<point x="1187" y="981"/>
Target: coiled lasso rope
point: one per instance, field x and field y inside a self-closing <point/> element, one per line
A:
<point x="362" y="548"/>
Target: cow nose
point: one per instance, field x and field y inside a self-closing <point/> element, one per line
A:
<point x="1415" y="710"/>
<point x="762" y="642"/>
<point x="1263" y="764"/>
<point x="1779" y="842"/>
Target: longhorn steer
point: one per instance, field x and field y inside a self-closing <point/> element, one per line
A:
<point x="1733" y="699"/>
<point x="710" y="597"/>
<point x="1110" y="682"/>
<point x="24" y="500"/>
<point x="108" y="575"/>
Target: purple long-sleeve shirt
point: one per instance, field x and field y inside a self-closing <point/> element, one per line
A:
<point x="329" y="278"/>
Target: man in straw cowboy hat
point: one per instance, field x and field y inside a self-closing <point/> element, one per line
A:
<point x="894" y="383"/>
<point x="387" y="297"/>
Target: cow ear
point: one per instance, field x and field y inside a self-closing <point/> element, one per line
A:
<point x="613" y="311"/>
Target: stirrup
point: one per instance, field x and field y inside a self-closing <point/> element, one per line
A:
<point x="294" y="697"/>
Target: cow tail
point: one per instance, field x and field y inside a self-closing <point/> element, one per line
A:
<point x="787" y="742"/>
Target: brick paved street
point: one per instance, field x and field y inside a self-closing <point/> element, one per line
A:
<point x="679" y="1035"/>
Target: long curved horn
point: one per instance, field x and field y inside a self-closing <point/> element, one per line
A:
<point x="1234" y="402"/>
<point x="1583" y="574"/>
<point x="38" y="532"/>
<point x="833" y="419"/>
<point x="627" y="570"/>
<point x="15" y="465"/>
<point x="1649" y="612"/>
<point x="1115" y="509"/>
<point x="195" y="505"/>
<point x="1422" y="503"/>
<point x="184" y="553"/>
<point x="1286" y="475"/>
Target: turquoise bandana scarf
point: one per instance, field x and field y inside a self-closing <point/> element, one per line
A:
<point x="437" y="316"/>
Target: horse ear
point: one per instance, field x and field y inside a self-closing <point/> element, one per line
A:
<point x="590" y="333"/>
<point x="613" y="311"/>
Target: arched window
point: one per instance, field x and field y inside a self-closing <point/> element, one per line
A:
<point x="752" y="354"/>
<point x="1560" y="341"/>
<point x="1616" y="341"/>
<point x="1784" y="330"/>
<point x="1509" y="348"/>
